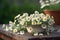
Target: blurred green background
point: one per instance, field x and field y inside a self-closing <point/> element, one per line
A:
<point x="10" y="8"/>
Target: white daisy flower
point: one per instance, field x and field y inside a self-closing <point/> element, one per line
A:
<point x="24" y="19"/>
<point x="44" y="26"/>
<point x="34" y="23"/>
<point x="31" y="16"/>
<point x="33" y="19"/>
<point x="38" y="18"/>
<point x="44" y="18"/>
<point x="6" y="28"/>
<point x="51" y="22"/>
<point x="28" y="18"/>
<point x="42" y="15"/>
<point x="21" y="32"/>
<point x="3" y="25"/>
<point x="17" y="25"/>
<point x="30" y="29"/>
<point x="48" y="16"/>
<point x="10" y="28"/>
<point x="14" y="30"/>
<point x="40" y="34"/>
<point x="36" y="12"/>
<point x="10" y="22"/>
<point x="35" y="34"/>
<point x="25" y="14"/>
<point x="17" y="16"/>
<point x="22" y="22"/>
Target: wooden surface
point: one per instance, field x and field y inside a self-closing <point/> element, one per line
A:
<point x="11" y="36"/>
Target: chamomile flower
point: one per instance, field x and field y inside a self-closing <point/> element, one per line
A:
<point x="3" y="25"/>
<point x="36" y="34"/>
<point x="6" y="28"/>
<point x="30" y="29"/>
<point x="42" y="6"/>
<point x="51" y="22"/>
<point x="44" y="18"/>
<point x="42" y="15"/>
<point x="17" y="25"/>
<point x="38" y="18"/>
<point x="10" y="28"/>
<point x="17" y="16"/>
<point x="31" y="16"/>
<point x="21" y="32"/>
<point x="33" y="23"/>
<point x="36" y="12"/>
<point x="20" y="17"/>
<point x="33" y="19"/>
<point x="24" y="19"/>
<point x="52" y="17"/>
<point x="44" y="26"/>
<point x="10" y="22"/>
<point x="25" y="14"/>
<point x="28" y="18"/>
<point x="22" y="22"/>
<point x="48" y="16"/>
<point x="14" y="30"/>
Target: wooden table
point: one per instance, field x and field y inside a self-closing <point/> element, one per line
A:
<point x="11" y="36"/>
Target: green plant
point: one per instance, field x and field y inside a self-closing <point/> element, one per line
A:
<point x="52" y="7"/>
<point x="50" y="4"/>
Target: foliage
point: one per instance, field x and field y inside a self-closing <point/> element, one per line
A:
<point x="53" y="7"/>
<point x="9" y="10"/>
